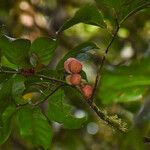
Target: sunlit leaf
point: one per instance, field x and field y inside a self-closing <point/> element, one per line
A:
<point x="88" y="14"/>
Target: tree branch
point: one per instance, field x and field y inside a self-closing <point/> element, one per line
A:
<point x="113" y="121"/>
<point x="36" y="75"/>
<point x="98" y="76"/>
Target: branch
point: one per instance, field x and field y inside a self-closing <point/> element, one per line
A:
<point x="113" y="121"/>
<point x="48" y="96"/>
<point x="98" y="76"/>
<point x="36" y="75"/>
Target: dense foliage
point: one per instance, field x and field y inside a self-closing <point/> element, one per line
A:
<point x="39" y="109"/>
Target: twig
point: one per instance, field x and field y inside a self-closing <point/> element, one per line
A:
<point x="98" y="76"/>
<point x="48" y="96"/>
<point x="36" y="75"/>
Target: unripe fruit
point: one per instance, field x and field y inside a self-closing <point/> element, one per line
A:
<point x="87" y="91"/>
<point x="72" y="65"/>
<point x="74" y="79"/>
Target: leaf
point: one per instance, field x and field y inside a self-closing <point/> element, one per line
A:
<point x="125" y="84"/>
<point x="87" y="14"/>
<point x="5" y="126"/>
<point x="60" y="112"/>
<point x="18" y="88"/>
<point x="44" y="49"/>
<point x="125" y="8"/>
<point x="16" y="51"/>
<point x="110" y="3"/>
<point x="132" y="7"/>
<point x="75" y="52"/>
<point x="18" y="85"/>
<point x="34" y="127"/>
<point x="5" y="94"/>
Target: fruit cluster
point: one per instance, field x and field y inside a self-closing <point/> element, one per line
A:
<point x="73" y="67"/>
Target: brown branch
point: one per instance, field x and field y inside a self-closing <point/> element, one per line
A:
<point x="36" y="75"/>
<point x="98" y="76"/>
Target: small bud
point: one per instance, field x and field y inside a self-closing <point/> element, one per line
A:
<point x="72" y="65"/>
<point x="87" y="91"/>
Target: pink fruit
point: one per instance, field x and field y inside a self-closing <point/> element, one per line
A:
<point x="73" y="66"/>
<point x="87" y="91"/>
<point x="75" y="79"/>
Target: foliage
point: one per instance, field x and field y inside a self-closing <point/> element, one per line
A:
<point x="33" y="95"/>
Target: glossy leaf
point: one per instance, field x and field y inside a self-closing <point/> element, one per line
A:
<point x="75" y="52"/>
<point x="87" y="14"/>
<point x="34" y="127"/>
<point x="60" y="111"/>
<point x="16" y="51"/>
<point x="44" y="49"/>
<point x="125" y="8"/>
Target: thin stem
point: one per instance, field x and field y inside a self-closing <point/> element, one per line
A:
<point x="98" y="76"/>
<point x="49" y="78"/>
<point x="36" y="75"/>
<point x="48" y="96"/>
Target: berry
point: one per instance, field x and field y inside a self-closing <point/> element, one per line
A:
<point x="75" y="79"/>
<point x="72" y="65"/>
<point x="87" y="91"/>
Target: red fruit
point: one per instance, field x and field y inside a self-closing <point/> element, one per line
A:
<point x="87" y="91"/>
<point x="75" y="79"/>
<point x="72" y="65"/>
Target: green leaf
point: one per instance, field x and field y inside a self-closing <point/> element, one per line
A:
<point x="132" y="7"/>
<point x="87" y="14"/>
<point x="75" y="52"/>
<point x="125" y="84"/>
<point x="60" y="112"/>
<point x="125" y="8"/>
<point x="18" y="85"/>
<point x="5" y="125"/>
<point x="44" y="49"/>
<point x="5" y="94"/>
<point x="18" y="88"/>
<point x="16" y="51"/>
<point x="110" y="3"/>
<point x="34" y="127"/>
